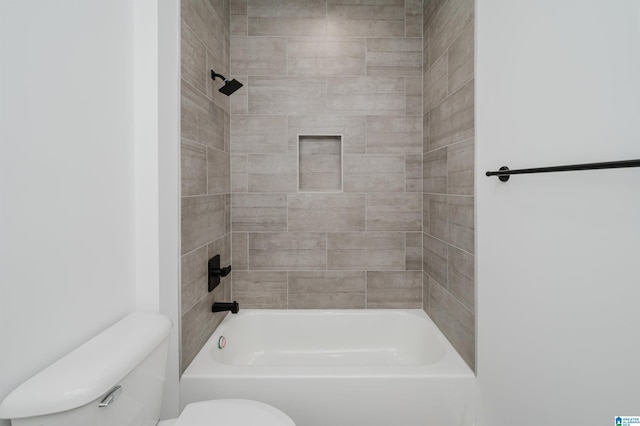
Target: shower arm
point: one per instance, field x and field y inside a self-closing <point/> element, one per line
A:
<point x="214" y="75"/>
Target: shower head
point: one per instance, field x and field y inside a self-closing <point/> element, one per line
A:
<point x="229" y="86"/>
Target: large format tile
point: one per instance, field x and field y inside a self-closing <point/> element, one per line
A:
<point x="238" y="17"/>
<point x="193" y="59"/>
<point x="366" y="95"/>
<point x="413" y="173"/>
<point x="239" y="173"/>
<point x="425" y="293"/>
<point x="435" y="172"/>
<point x="451" y="219"/>
<point x="327" y="290"/>
<point x="452" y="18"/>
<point x="413" y="251"/>
<point x="461" y="277"/>
<point x="425" y="214"/>
<point x="394" y="212"/>
<point x="325" y="56"/>
<point x="287" y="27"/>
<point x="300" y="251"/>
<point x="372" y="251"/>
<point x="453" y="119"/>
<point x="326" y="212"/>
<point x="239" y="102"/>
<point x="286" y="9"/>
<point x="272" y="173"/>
<point x="435" y="259"/>
<point x="198" y="324"/>
<point x="374" y="173"/>
<point x="203" y="220"/>
<point x="394" y="290"/>
<point x="227" y="213"/>
<point x="460" y="168"/>
<point x="286" y="17"/>
<point x="218" y="171"/>
<point x="240" y="250"/>
<point x="259" y="134"/>
<point x="413" y="18"/>
<point x="205" y="23"/>
<point x="413" y="95"/>
<point x="193" y="168"/>
<point x="394" y="56"/>
<point x="259" y="212"/>
<point x="201" y="120"/>
<point x="456" y="322"/>
<point x="352" y="130"/>
<point x="259" y="55"/>
<point x="461" y="59"/>
<point x="394" y="135"/>
<point x="193" y="282"/>
<point x="260" y="289"/>
<point x="436" y="84"/>
<point x="365" y="18"/>
<point x="287" y="95"/>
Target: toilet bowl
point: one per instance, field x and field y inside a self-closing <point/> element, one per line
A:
<point x="230" y="412"/>
<point x="117" y="378"/>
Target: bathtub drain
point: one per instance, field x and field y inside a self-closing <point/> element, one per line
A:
<point x="222" y="342"/>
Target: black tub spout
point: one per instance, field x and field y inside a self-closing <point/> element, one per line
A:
<point x="221" y="307"/>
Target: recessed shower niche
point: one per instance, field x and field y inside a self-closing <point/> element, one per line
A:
<point x="319" y="163"/>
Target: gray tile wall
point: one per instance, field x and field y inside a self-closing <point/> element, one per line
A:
<point x="205" y="164"/>
<point x="401" y="234"/>
<point x="448" y="166"/>
<point x="326" y="67"/>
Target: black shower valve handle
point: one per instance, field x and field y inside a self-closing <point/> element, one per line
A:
<point x="215" y="272"/>
<point x="223" y="272"/>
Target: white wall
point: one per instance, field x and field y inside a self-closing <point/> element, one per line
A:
<point x="169" y="188"/>
<point x="558" y="82"/>
<point x="79" y="174"/>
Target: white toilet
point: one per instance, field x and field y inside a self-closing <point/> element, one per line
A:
<point x="117" y="379"/>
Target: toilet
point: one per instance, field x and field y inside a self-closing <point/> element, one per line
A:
<point x="117" y="379"/>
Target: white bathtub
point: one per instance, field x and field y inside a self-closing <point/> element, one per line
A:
<point x="336" y="368"/>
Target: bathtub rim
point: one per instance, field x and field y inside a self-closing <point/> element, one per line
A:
<point x="451" y="365"/>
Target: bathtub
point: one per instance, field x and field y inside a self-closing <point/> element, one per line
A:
<point x="336" y="367"/>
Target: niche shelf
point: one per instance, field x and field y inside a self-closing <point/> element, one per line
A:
<point x="319" y="163"/>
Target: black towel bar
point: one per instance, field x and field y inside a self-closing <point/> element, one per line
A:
<point x="504" y="173"/>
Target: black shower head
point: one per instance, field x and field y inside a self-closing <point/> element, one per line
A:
<point x="229" y="86"/>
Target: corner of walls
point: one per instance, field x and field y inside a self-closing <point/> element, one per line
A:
<point x="448" y="161"/>
<point x="205" y="168"/>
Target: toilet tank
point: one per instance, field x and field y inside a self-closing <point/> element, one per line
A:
<point x="131" y="354"/>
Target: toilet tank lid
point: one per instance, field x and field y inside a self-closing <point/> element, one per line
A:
<point x="91" y="370"/>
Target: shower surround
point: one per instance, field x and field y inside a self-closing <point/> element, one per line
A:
<point x="449" y="231"/>
<point x="206" y="198"/>
<point x="353" y="69"/>
<point x="331" y="68"/>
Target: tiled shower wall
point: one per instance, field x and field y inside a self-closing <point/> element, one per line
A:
<point x="448" y="171"/>
<point x="205" y="164"/>
<point x="327" y="67"/>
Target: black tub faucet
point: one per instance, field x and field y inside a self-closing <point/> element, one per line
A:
<point x="221" y="307"/>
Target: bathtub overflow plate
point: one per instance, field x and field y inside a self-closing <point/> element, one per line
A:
<point x="222" y="342"/>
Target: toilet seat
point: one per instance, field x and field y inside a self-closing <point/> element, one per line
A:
<point x="232" y="412"/>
